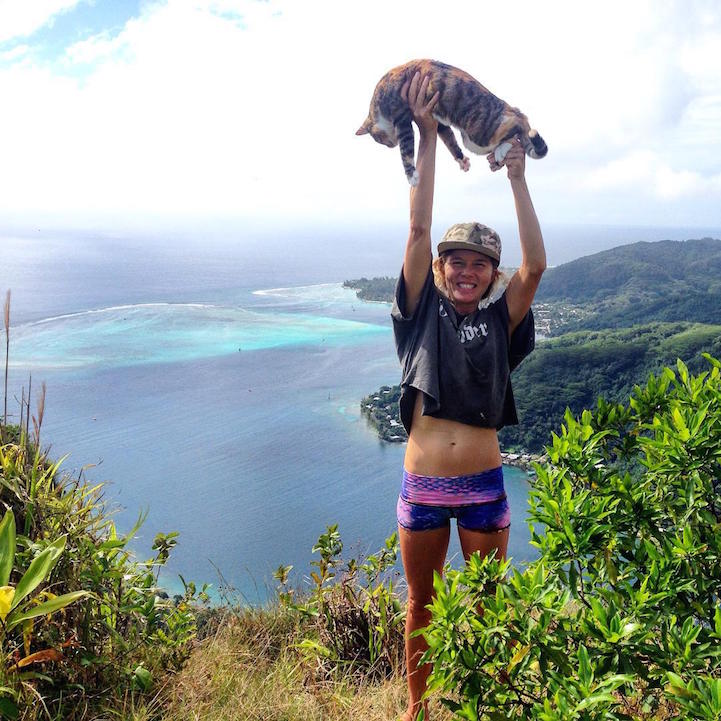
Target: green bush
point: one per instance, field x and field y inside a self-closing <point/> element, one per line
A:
<point x="118" y="634"/>
<point x="356" y="617"/>
<point x="620" y="616"/>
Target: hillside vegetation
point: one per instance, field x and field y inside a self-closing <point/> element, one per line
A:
<point x="573" y="370"/>
<point x="641" y="282"/>
<point x="85" y="630"/>
<point x="617" y="620"/>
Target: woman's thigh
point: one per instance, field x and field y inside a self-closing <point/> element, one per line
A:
<point x="483" y="541"/>
<point x="423" y="552"/>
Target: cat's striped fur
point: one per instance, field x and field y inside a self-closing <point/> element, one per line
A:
<point x="485" y="121"/>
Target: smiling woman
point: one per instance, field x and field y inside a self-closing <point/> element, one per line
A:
<point x="457" y="346"/>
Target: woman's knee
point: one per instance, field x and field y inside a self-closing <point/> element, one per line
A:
<point x="418" y="607"/>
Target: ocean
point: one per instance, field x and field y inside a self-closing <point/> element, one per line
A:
<point x="215" y="384"/>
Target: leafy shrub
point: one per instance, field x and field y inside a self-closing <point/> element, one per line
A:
<point x="620" y="617"/>
<point x="120" y="632"/>
<point x="357" y="617"/>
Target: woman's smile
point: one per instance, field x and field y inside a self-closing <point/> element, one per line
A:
<point x="468" y="275"/>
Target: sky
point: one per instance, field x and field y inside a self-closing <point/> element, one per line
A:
<point x="170" y="113"/>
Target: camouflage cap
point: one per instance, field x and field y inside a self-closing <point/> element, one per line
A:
<point x="472" y="236"/>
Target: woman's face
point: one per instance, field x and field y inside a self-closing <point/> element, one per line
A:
<point x="468" y="276"/>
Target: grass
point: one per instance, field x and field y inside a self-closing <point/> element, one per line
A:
<point x="250" y="669"/>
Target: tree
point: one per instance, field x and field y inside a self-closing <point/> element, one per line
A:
<point x="620" y="616"/>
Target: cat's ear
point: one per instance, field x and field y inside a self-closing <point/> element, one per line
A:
<point x="365" y="128"/>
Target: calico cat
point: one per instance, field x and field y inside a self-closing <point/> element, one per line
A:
<point x="485" y="121"/>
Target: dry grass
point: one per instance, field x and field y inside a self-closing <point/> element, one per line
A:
<point x="249" y="670"/>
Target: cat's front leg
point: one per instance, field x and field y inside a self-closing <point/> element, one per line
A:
<point x="406" y="142"/>
<point x="448" y="137"/>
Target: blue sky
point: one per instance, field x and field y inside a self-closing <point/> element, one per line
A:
<point x="47" y="29"/>
<point x="172" y="112"/>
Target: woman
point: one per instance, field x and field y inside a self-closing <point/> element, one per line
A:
<point x="457" y="343"/>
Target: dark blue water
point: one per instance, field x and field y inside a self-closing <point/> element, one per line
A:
<point x="230" y="415"/>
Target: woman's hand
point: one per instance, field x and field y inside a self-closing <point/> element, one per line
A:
<point x="515" y="160"/>
<point x="415" y="93"/>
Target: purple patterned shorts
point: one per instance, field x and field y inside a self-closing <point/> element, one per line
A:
<point x="478" y="502"/>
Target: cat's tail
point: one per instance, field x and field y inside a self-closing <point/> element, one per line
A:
<point x="534" y="145"/>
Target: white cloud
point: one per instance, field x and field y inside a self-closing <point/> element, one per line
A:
<point x="21" y="18"/>
<point x="645" y="173"/>
<point x="13" y="55"/>
<point x="215" y="108"/>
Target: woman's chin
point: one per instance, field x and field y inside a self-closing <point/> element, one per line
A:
<point x="465" y="304"/>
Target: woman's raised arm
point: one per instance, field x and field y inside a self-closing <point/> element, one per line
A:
<point x="418" y="253"/>
<point x="522" y="287"/>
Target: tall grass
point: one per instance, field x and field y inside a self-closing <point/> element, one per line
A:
<point x="252" y="665"/>
<point x="6" y="317"/>
<point x="251" y="669"/>
<point x="38" y="419"/>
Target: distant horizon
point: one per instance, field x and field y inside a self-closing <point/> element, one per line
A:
<point x="263" y="238"/>
<point x="44" y="270"/>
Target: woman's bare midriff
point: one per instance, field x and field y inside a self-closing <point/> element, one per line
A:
<point x="440" y="447"/>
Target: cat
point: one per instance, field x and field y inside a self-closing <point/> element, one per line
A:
<point x="486" y="122"/>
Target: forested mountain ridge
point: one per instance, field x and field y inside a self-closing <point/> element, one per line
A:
<point x="638" y="283"/>
<point x="576" y="368"/>
<point x="637" y="266"/>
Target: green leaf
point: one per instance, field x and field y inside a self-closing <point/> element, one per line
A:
<point x="7" y="547"/>
<point x="7" y="593"/>
<point x="8" y="709"/>
<point x="585" y="674"/>
<point x="38" y="570"/>
<point x="143" y="678"/>
<point x="47" y="607"/>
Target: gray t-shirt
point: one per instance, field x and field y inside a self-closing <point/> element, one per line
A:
<point x="462" y="365"/>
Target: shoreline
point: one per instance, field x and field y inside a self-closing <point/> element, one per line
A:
<point x="523" y="460"/>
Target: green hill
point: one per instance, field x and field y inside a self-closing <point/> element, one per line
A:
<point x="374" y="289"/>
<point x="574" y="369"/>
<point x="638" y="283"/>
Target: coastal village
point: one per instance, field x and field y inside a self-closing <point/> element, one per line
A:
<point x="549" y="318"/>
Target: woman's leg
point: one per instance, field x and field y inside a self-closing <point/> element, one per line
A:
<point x="483" y="541"/>
<point x="423" y="552"/>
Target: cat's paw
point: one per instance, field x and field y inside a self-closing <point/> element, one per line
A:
<point x="413" y="179"/>
<point x="465" y="164"/>
<point x="501" y="152"/>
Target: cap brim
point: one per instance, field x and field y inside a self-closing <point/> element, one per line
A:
<point x="446" y="245"/>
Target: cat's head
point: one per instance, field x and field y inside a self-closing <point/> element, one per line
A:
<point x="381" y="130"/>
